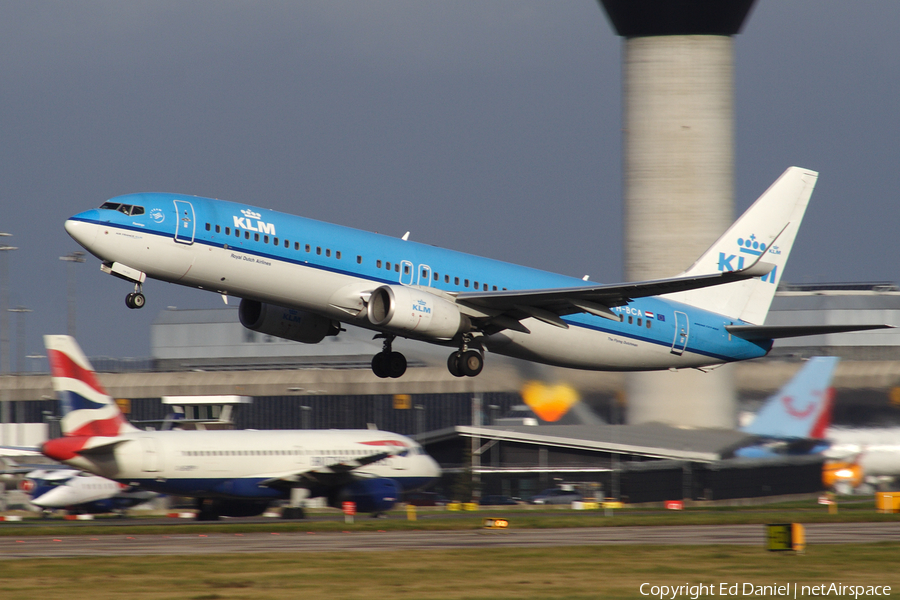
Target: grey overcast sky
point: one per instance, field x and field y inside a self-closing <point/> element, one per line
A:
<point x="492" y="127"/>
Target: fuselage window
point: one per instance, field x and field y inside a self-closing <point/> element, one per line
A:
<point x="387" y="265"/>
<point x="296" y="245"/>
<point x="648" y="323"/>
<point x="378" y="263"/>
<point x="639" y="321"/>
<point x="630" y="320"/>
<point x="337" y="254"/>
<point x="274" y="240"/>
<point x="436" y="276"/>
<point x="218" y="229"/>
<point x="397" y="267"/>
<point x="456" y="281"/>
<point x="406" y="269"/>
<point x="287" y="244"/>
<point x="424" y="273"/>
<point x="476" y="285"/>
<point x="207" y="226"/>
<point x="228" y="231"/>
<point x="319" y="250"/>
<point x="265" y="239"/>
<point x="485" y="287"/>
<point x="446" y="279"/>
<point x="466" y="282"/>
<point x="495" y="288"/>
<point x="327" y="252"/>
<point x="255" y="237"/>
<point x="307" y="247"/>
<point x="247" y="235"/>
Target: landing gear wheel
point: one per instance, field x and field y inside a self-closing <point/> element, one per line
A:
<point x="471" y="363"/>
<point x="380" y="365"/>
<point x="396" y="364"/>
<point x="389" y="364"/>
<point x="453" y="364"/>
<point x="135" y="300"/>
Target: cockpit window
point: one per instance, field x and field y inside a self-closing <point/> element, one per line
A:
<point x="126" y="209"/>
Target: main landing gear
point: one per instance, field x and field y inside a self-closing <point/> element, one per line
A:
<point x="135" y="299"/>
<point x="465" y="362"/>
<point x="388" y="363"/>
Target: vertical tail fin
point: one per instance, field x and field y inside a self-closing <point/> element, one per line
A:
<point x="769" y="226"/>
<point x="802" y="408"/>
<point x="86" y="408"/>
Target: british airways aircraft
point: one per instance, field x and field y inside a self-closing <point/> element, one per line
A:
<point x="80" y="493"/>
<point x="301" y="279"/>
<point x="229" y="472"/>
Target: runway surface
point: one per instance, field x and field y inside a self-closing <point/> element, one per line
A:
<point x="225" y="543"/>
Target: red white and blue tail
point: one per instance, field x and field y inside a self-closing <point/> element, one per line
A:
<point x="87" y="410"/>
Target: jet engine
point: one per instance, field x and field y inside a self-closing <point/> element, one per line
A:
<point x="370" y="495"/>
<point x="287" y="323"/>
<point x="410" y="310"/>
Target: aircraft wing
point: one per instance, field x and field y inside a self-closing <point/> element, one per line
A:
<point x="328" y="475"/>
<point x="506" y="308"/>
<point x="771" y="332"/>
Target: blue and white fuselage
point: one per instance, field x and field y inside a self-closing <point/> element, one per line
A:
<point x="300" y="278"/>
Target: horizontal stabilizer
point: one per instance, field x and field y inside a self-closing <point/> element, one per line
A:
<point x="100" y="445"/>
<point x="772" y="332"/>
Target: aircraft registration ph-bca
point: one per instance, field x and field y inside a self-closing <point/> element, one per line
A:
<point x="300" y="279"/>
<point x="234" y="473"/>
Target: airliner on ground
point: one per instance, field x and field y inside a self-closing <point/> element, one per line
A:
<point x="301" y="279"/>
<point x="80" y="493"/>
<point x="794" y="419"/>
<point x="230" y="472"/>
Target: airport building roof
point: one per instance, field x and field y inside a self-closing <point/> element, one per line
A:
<point x="648" y="440"/>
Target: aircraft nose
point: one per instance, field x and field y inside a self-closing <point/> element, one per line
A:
<point x="82" y="227"/>
<point x="434" y="468"/>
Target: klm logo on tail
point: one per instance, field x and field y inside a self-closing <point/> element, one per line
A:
<point x="752" y="247"/>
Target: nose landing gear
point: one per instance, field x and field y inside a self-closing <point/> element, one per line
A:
<point x="135" y="299"/>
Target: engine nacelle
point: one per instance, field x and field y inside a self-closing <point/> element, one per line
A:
<point x="409" y="310"/>
<point x="370" y="495"/>
<point x="287" y="323"/>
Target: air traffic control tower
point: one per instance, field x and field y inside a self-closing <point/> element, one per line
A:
<point x="678" y="141"/>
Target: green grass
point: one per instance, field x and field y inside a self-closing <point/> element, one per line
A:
<point x="564" y="573"/>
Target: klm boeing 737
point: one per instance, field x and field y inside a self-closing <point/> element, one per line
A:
<point x="301" y="279"/>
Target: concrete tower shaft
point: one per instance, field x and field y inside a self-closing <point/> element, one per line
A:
<point x="678" y="150"/>
<point x="678" y="142"/>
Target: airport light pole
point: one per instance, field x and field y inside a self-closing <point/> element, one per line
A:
<point x="20" y="336"/>
<point x="72" y="258"/>
<point x="4" y="334"/>
<point x="20" y="362"/>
